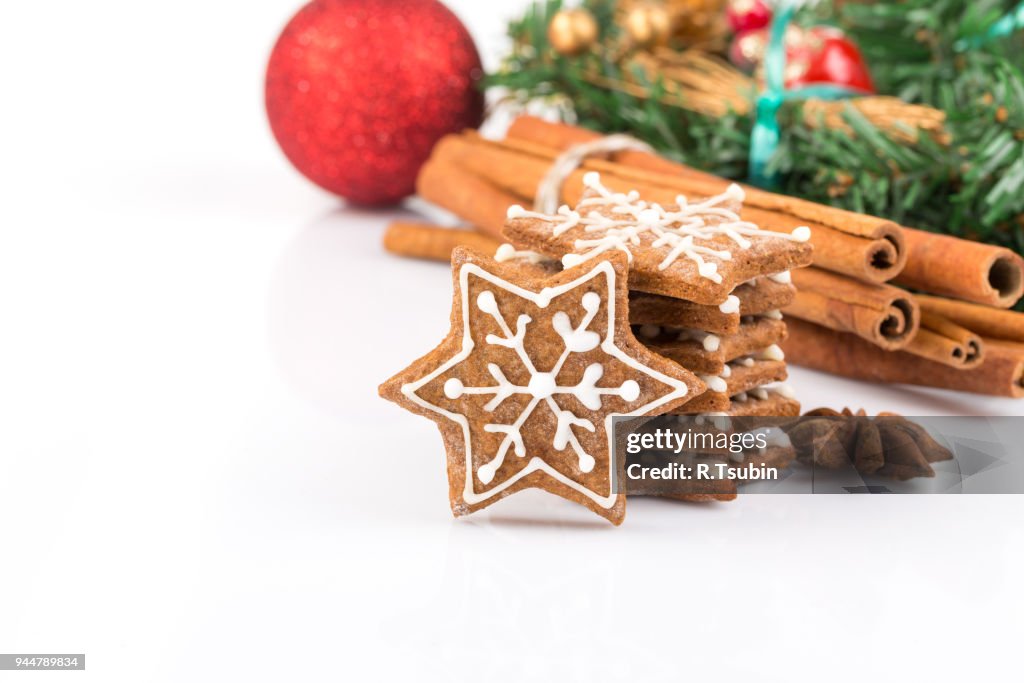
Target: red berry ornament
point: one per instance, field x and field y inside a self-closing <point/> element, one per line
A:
<point x="747" y="15"/>
<point x="835" y="59"/>
<point x="820" y="54"/>
<point x="747" y="49"/>
<point x="358" y="92"/>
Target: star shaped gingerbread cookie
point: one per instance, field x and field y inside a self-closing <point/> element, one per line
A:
<point x="698" y="251"/>
<point x="526" y="383"/>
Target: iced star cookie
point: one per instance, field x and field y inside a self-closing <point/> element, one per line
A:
<point x="706" y="353"/>
<point x="526" y="383"/>
<point x="765" y="401"/>
<point x="760" y="296"/>
<point x="699" y="251"/>
<point x="738" y="377"/>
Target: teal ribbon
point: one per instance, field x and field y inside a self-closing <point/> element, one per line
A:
<point x="1009" y="23"/>
<point x="764" y="138"/>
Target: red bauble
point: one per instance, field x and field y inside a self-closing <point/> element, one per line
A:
<point x="747" y="15"/>
<point x="835" y="59"/>
<point x="358" y="92"/>
<point x="820" y="54"/>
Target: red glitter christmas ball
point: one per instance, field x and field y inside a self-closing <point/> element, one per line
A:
<point x="358" y="92"/>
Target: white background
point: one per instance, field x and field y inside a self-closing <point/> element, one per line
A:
<point x="198" y="481"/>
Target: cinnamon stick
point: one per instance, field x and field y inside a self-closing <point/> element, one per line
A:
<point x="988" y="322"/>
<point x="943" y="341"/>
<point x="864" y="247"/>
<point x="962" y="269"/>
<point x="847" y="221"/>
<point x="509" y="170"/>
<point x="518" y="174"/>
<point x="1001" y="373"/>
<point x="562" y="136"/>
<point x="871" y="260"/>
<point x="884" y="315"/>
<point x="465" y="194"/>
<point x="432" y="242"/>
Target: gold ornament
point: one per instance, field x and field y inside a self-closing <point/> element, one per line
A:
<point x="572" y="31"/>
<point x="692" y="23"/>
<point x="648" y="25"/>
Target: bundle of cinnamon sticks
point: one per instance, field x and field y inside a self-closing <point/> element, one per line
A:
<point x="852" y="320"/>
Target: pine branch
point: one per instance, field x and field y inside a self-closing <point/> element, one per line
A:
<point x="970" y="186"/>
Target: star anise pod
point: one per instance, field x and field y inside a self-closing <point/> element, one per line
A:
<point x="888" y="445"/>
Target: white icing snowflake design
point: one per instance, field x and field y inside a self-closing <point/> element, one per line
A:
<point x="678" y="231"/>
<point x="542" y="386"/>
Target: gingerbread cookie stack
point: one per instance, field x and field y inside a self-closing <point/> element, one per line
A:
<point x="618" y="307"/>
<point x="705" y="285"/>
